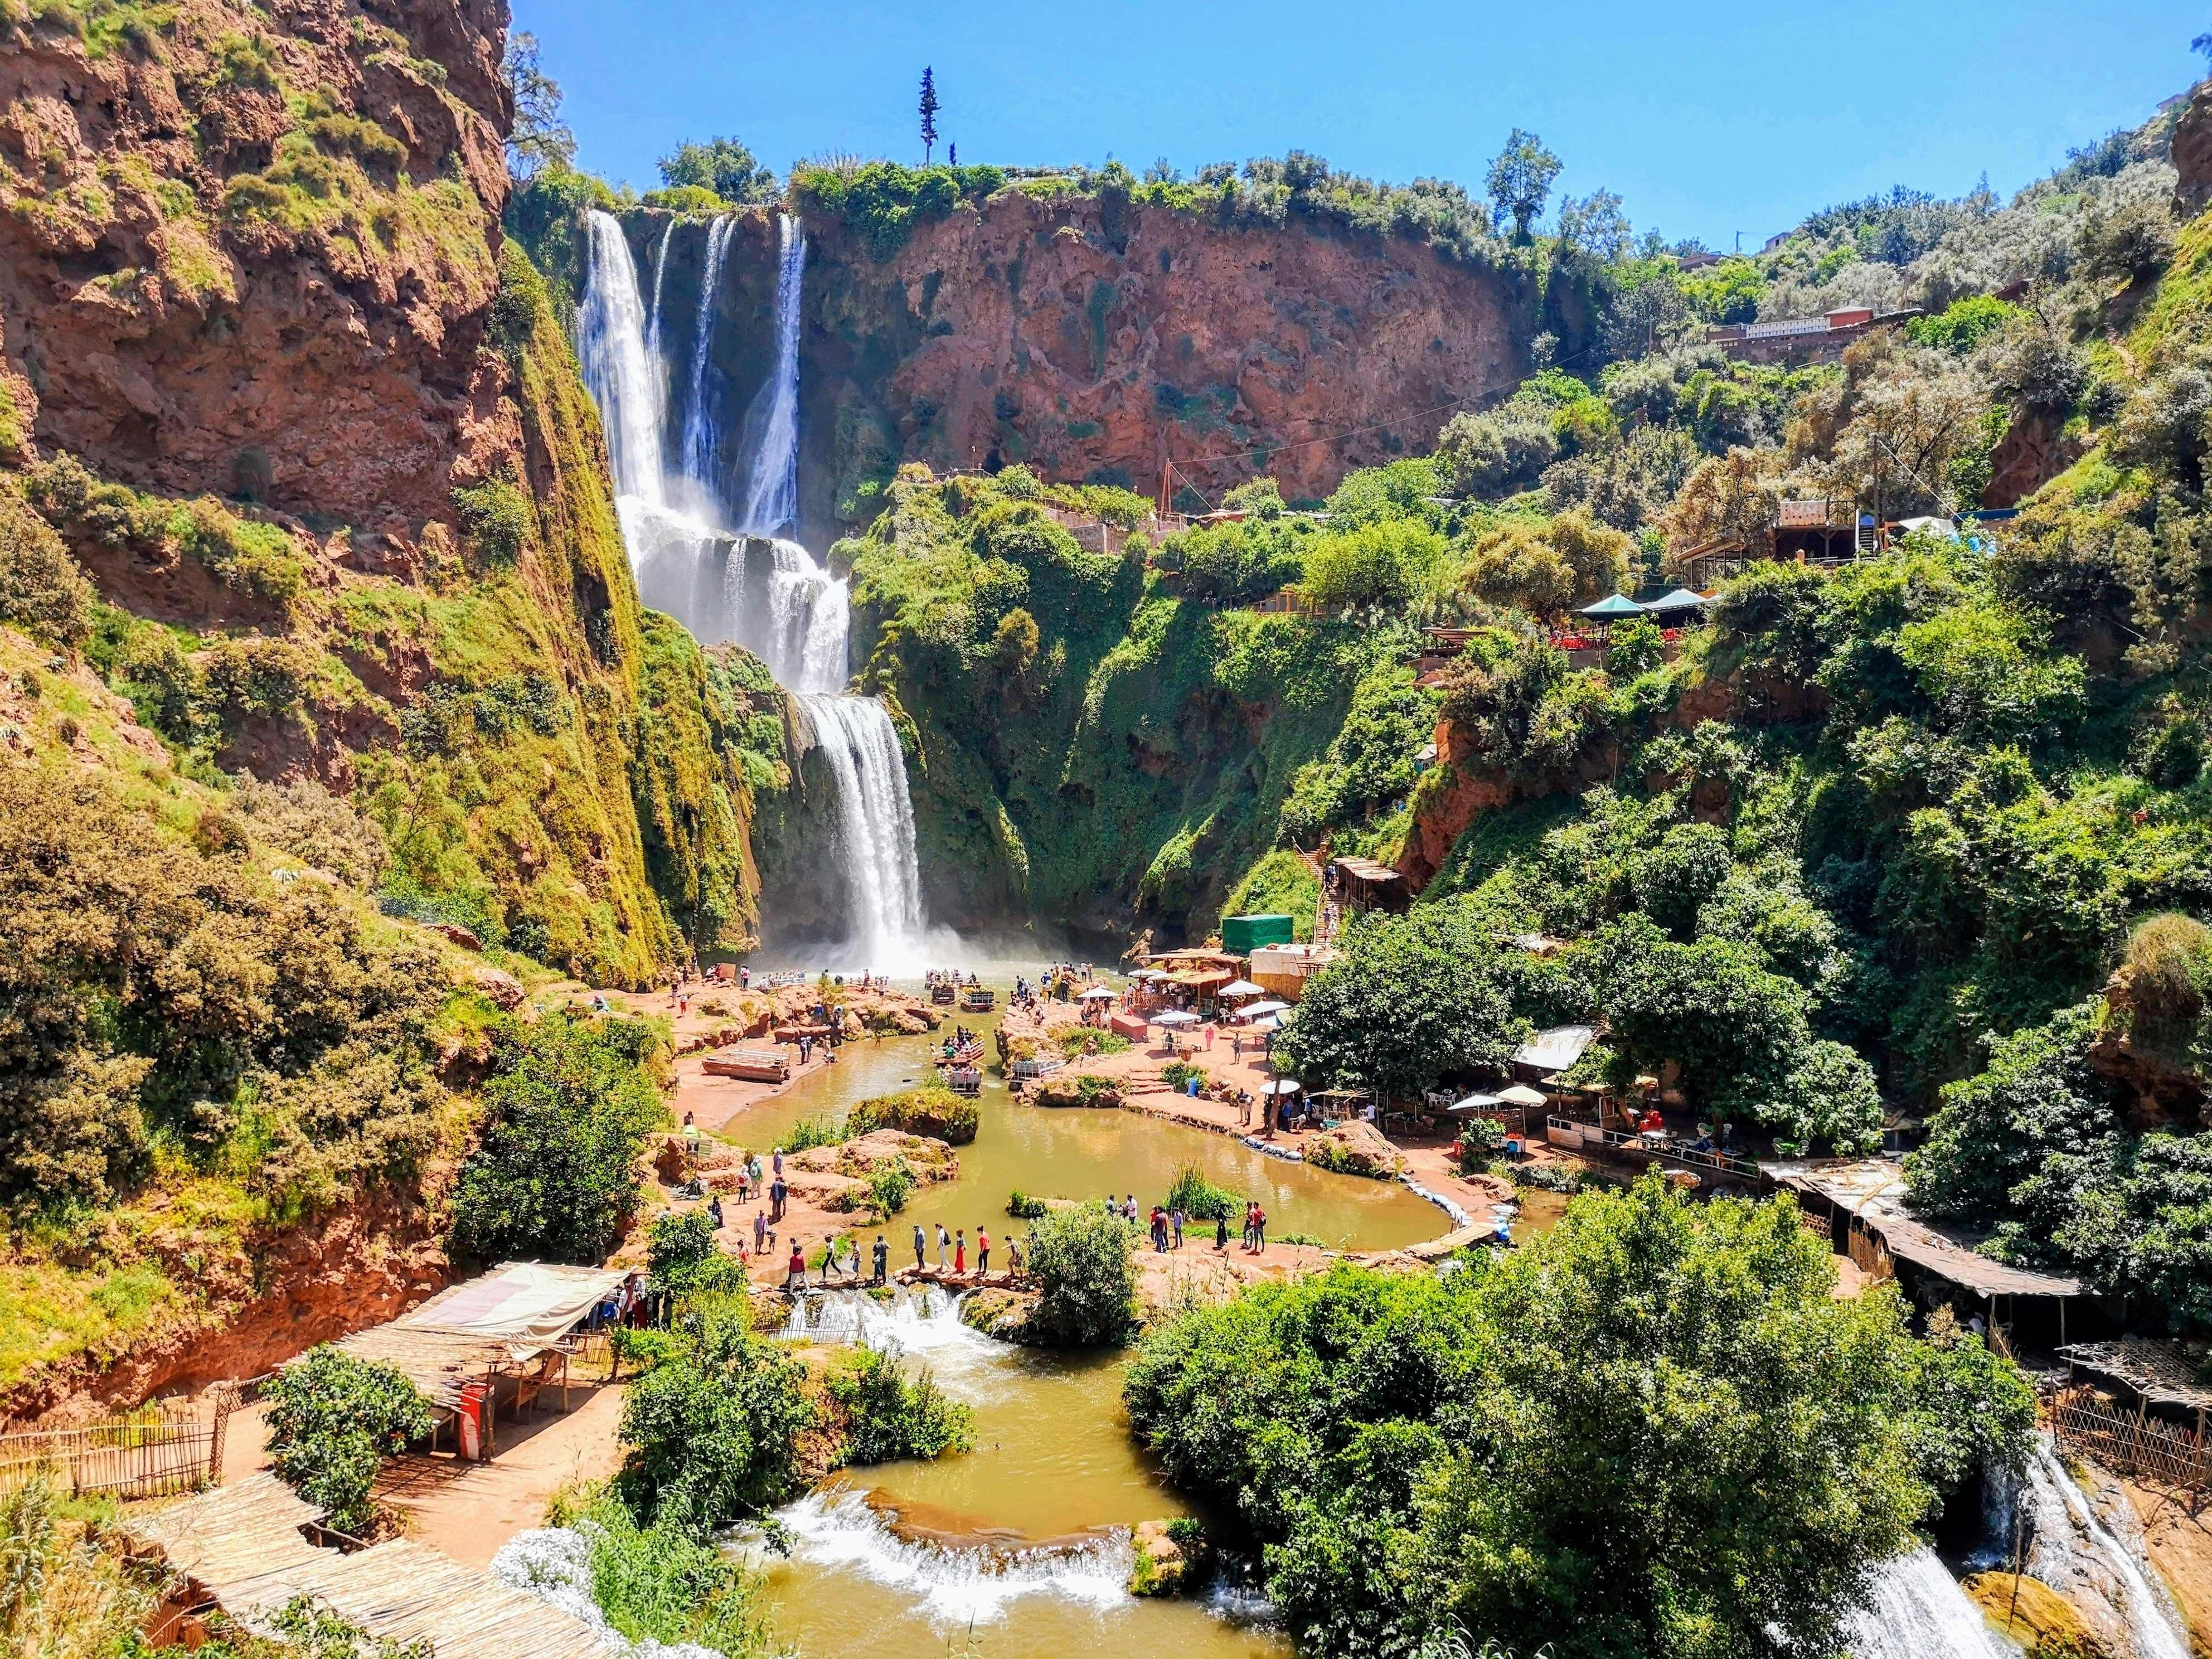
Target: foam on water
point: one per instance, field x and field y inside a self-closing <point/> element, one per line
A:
<point x="1920" y="1612"/>
<point x="554" y="1563"/>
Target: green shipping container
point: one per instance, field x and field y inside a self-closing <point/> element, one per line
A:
<point x="1242" y="935"/>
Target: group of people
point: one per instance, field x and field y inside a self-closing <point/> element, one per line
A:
<point x="951" y="1257"/>
<point x="1166" y="1224"/>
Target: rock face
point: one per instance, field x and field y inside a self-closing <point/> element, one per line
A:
<point x="2192" y="154"/>
<point x="1096" y="343"/>
<point x="206" y="288"/>
<point x="1355" y="1148"/>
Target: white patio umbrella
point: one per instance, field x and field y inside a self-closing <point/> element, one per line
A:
<point x="1476" y="1102"/>
<point x="1522" y="1095"/>
<point x="1254" y="1010"/>
<point x="1269" y="1024"/>
<point x="1282" y="1085"/>
<point x="1241" y="988"/>
<point x="1175" y="1017"/>
<point x="1096" y="994"/>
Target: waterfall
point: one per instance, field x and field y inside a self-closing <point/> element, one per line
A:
<point x="1920" y="1612"/>
<point x="751" y="587"/>
<point x="2078" y="1555"/>
<point x="702" y="440"/>
<point x="873" y="827"/>
<point x="918" y="1320"/>
<point x="625" y="379"/>
<point x="772" y="423"/>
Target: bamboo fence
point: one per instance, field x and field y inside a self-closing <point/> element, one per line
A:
<point x="2131" y="1443"/>
<point x="149" y="1453"/>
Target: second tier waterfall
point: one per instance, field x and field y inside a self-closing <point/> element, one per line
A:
<point x="719" y="566"/>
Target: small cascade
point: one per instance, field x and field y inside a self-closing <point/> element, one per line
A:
<point x="806" y="614"/>
<point x="659" y="276"/>
<point x="956" y="1585"/>
<point x="772" y="423"/>
<point x="625" y="378"/>
<point x="701" y="437"/>
<point x="2078" y="1555"/>
<point x="920" y="1320"/>
<point x="1920" y="1612"/>
<point x="554" y="1563"/>
<point x="872" y="829"/>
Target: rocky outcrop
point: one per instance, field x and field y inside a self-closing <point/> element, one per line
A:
<point x="2159" y="1084"/>
<point x="2192" y="154"/>
<point x="252" y="251"/>
<point x="1354" y="1148"/>
<point x="1096" y="343"/>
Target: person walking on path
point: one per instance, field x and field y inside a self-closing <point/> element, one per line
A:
<point x="982" y="1253"/>
<point x="1013" y="1256"/>
<point x="960" y="1255"/>
<point x="1259" y="1230"/>
<point x="1221" y="1232"/>
<point x="779" y="1160"/>
<point x="944" y="1243"/>
<point x="921" y="1248"/>
<point x="1209" y="1036"/>
<point x="1174" y="1221"/>
<point x="883" y="1260"/>
<point x="794" y="1272"/>
<point x="777" y="1192"/>
<point x="759" y="1231"/>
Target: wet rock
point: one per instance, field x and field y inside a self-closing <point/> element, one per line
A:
<point x="1078" y="1091"/>
<point x="1001" y="1314"/>
<point x="1355" y="1148"/>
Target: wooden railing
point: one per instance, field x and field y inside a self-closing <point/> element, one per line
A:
<point x="2132" y="1444"/>
<point x="148" y="1454"/>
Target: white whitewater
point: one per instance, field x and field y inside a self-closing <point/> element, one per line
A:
<point x="554" y="1563"/>
<point x="772" y="423"/>
<point x="924" y="1320"/>
<point x="702" y="439"/>
<point x="2076" y="1553"/>
<point x="746" y="585"/>
<point x="1920" y="1612"/>
<point x="625" y="379"/>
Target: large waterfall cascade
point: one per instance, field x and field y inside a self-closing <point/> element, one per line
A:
<point x="728" y="574"/>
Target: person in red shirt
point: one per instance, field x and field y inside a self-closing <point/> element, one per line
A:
<point x="1651" y="1121"/>
<point x="982" y="1252"/>
<point x="795" y="1271"/>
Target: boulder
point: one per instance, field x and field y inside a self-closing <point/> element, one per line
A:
<point x="502" y="987"/>
<point x="454" y="933"/>
<point x="1062" y="1089"/>
<point x="1355" y="1148"/>
<point x="1166" y="1566"/>
<point x="2192" y="154"/>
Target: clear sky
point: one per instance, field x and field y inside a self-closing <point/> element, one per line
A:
<point x="1708" y="119"/>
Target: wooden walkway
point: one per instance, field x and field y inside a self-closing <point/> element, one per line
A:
<point x="243" y="1547"/>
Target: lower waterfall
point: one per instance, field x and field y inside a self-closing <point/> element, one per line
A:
<point x="872" y="831"/>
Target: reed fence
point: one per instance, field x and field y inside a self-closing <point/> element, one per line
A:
<point x="148" y="1453"/>
<point x="2131" y="1443"/>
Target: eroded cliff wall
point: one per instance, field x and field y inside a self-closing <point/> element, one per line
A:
<point x="1095" y="343"/>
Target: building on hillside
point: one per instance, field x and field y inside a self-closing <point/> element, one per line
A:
<point x="1794" y="342"/>
<point x="1282" y="970"/>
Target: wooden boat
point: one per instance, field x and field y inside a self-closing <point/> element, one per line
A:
<point x="943" y="995"/>
<point x="754" y="1065"/>
<point x="978" y="999"/>
<point x="963" y="1054"/>
<point x="964" y="1080"/>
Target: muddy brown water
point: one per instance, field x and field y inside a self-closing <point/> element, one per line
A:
<point x="1021" y="1545"/>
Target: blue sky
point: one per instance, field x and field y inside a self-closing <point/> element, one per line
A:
<point x="1708" y="119"/>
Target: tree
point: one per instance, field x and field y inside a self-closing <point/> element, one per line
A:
<point x="928" y="113"/>
<point x="722" y="164"/>
<point x="1409" y="1001"/>
<point x="1651" y="1431"/>
<point x="1549" y="570"/>
<point x="953" y="155"/>
<point x="567" y="1109"/>
<point x="1521" y="181"/>
<point x="1081" y="1261"/>
<point x="333" y="1420"/>
<point x="1385" y="563"/>
<point x="540" y="138"/>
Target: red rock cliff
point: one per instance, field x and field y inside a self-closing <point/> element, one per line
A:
<point x="249" y="249"/>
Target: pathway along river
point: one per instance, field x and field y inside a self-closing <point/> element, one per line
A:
<point x="1024" y="1537"/>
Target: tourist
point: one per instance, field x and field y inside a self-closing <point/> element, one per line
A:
<point x="1013" y="1257"/>
<point x="776" y="1195"/>
<point x="753" y="1168"/>
<point x="795" y="1270"/>
<point x="1159" y="1228"/>
<point x="960" y="1255"/>
<point x="715" y="1212"/>
<point x="944" y="1243"/>
<point x="1243" y="1109"/>
<point x="745" y="979"/>
<point x="1129" y="1207"/>
<point x="760" y="1233"/>
<point x="1174" y="1221"/>
<point x="1259" y="1230"/>
<point x="1236" y="1045"/>
<point x="1221" y="1232"/>
<point x="1209" y="1036"/>
<point x="779" y="1160"/>
<point x="921" y="1248"/>
<point x="1248" y="1207"/>
<point x="982" y="1253"/>
<point x="691" y="1137"/>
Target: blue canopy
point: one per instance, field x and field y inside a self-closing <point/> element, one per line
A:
<point x="1613" y="607"/>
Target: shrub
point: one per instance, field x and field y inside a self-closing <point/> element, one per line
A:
<point x="1384" y="563"/>
<point x="42" y="590"/>
<point x="820" y="1130"/>
<point x="709" y="1433"/>
<point x="938" y="1113"/>
<point x="567" y="1109"/>
<point x="1080" y="1260"/>
<point x="1199" y="1197"/>
<point x="1177" y="1075"/>
<point x="1024" y="1207"/>
<point x="683" y="1257"/>
<point x="495" y="520"/>
<point x="890" y="1415"/>
<point x="889" y="1187"/>
<point x="333" y="1420"/>
<point x="305" y="819"/>
<point x="660" y="1584"/>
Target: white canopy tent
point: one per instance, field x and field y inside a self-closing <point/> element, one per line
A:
<point x="1175" y="1017"/>
<point x="1097" y="993"/>
<point x="1256" y="1010"/>
<point x="1241" y="988"/>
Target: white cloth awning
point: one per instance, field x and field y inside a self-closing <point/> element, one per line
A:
<point x="1175" y="1017"/>
<point x="1241" y="988"/>
<point x="1556" y="1049"/>
<point x="1255" y="1010"/>
<point x="1097" y="993"/>
<point x="1476" y="1102"/>
<point x="527" y="1304"/>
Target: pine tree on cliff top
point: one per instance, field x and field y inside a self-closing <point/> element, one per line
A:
<point x="928" y="113"/>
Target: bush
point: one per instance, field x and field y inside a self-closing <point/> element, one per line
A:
<point x="1385" y="564"/>
<point x="890" y="1415"/>
<point x="1495" y="1425"/>
<point x="496" y="520"/>
<point x="1177" y="1075"/>
<point x="709" y="1434"/>
<point x="42" y="590"/>
<point x="889" y="1187"/>
<point x="683" y="1259"/>
<point x="1081" y="1261"/>
<point x="937" y="1113"/>
<point x="1024" y="1207"/>
<point x="820" y="1130"/>
<point x="1199" y="1199"/>
<point x="659" y="1585"/>
<point x="567" y="1109"/>
<point x="333" y="1420"/>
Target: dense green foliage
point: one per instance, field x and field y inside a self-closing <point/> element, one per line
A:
<point x="1650" y="1431"/>
<point x="889" y="1414"/>
<point x="1080" y="1260"/>
<point x="935" y="1112"/>
<point x="661" y="1583"/>
<point x="567" y="1109"/>
<point x="333" y="1420"/>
